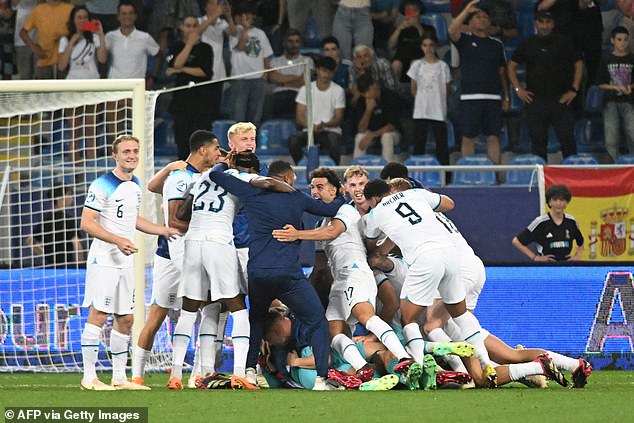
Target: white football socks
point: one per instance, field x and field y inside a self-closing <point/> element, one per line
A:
<point x="414" y="342"/>
<point x="119" y="349"/>
<point x="207" y="333"/>
<point x="520" y="370"/>
<point x="563" y="362"/>
<point x="139" y="359"/>
<point x="438" y="335"/>
<point x="386" y="336"/>
<point x="240" y="336"/>
<point x="182" y="334"/>
<point x="475" y="335"/>
<point x="89" y="351"/>
<point x="348" y="350"/>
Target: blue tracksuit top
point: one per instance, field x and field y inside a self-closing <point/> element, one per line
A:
<point x="268" y="210"/>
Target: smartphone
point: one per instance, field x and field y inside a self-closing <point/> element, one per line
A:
<point x="410" y="11"/>
<point x="90" y="26"/>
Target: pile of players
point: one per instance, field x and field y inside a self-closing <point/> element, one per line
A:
<point x="388" y="262"/>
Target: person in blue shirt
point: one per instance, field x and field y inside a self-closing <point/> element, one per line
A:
<point x="274" y="268"/>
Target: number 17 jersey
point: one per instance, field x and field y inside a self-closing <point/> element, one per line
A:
<point x="213" y="211"/>
<point x="408" y="219"/>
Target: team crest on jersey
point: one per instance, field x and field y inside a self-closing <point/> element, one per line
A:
<point x="181" y="186"/>
<point x="90" y="197"/>
<point x="613" y="233"/>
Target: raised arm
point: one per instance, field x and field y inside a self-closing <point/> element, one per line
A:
<point x="232" y="184"/>
<point x="324" y="233"/>
<point x="156" y="183"/>
<point x="271" y="184"/>
<point x="320" y="208"/>
<point x="455" y="28"/>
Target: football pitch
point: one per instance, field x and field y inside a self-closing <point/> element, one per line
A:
<point x="608" y="397"/>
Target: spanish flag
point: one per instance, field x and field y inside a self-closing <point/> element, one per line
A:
<point x="603" y="205"/>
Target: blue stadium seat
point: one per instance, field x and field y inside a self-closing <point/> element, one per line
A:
<point x="625" y="159"/>
<point x="430" y="146"/>
<point x="481" y="142"/>
<point x="523" y="177"/>
<point x="580" y="159"/>
<point x="439" y="23"/>
<point x="220" y="128"/>
<point x="370" y="160"/>
<point x="471" y="177"/>
<point x="526" y="23"/>
<point x="429" y="179"/>
<point x="279" y="130"/>
<point x="437" y="6"/>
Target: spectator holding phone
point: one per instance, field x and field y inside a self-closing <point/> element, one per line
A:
<point x="406" y="38"/>
<point x="83" y="47"/>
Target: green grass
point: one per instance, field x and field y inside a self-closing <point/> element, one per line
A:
<point x="607" y="398"/>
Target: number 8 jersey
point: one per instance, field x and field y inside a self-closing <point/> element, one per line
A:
<point x="213" y="211"/>
<point x="408" y="219"/>
<point x="118" y="203"/>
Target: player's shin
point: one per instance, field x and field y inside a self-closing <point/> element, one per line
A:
<point x="119" y="349"/>
<point x="89" y="350"/>
<point x="475" y="335"/>
<point x="207" y="333"/>
<point x="563" y="362"/>
<point x="240" y="336"/>
<point x="414" y="343"/>
<point x="182" y="334"/>
<point x="386" y="335"/>
<point x="348" y="350"/>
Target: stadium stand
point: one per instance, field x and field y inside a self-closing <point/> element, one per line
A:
<point x="474" y="177"/>
<point x="429" y="179"/>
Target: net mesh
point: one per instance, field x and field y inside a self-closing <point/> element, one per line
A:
<point x="52" y="146"/>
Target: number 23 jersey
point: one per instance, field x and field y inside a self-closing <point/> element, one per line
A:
<point x="408" y="219"/>
<point x="213" y="211"/>
<point x="118" y="203"/>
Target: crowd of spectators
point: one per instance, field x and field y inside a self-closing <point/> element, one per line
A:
<point x="390" y="80"/>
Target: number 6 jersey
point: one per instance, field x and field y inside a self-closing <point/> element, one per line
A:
<point x="408" y="219"/>
<point x="118" y="203"/>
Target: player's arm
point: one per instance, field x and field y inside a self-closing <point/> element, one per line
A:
<point x="320" y="208"/>
<point x="445" y="204"/>
<point x="271" y="184"/>
<point x="184" y="211"/>
<point x="387" y="295"/>
<point x="156" y="183"/>
<point x="92" y="227"/>
<point x="232" y="184"/>
<point x="294" y="360"/>
<point x="144" y="225"/>
<point x="174" y="221"/>
<point x="385" y="247"/>
<point x="324" y="233"/>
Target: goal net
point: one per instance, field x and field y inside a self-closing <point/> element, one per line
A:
<point x="55" y="139"/>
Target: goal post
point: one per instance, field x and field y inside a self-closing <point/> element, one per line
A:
<point x="57" y="133"/>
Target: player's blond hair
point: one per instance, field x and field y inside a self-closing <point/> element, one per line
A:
<point x="121" y="138"/>
<point x="399" y="184"/>
<point x="354" y="171"/>
<point x="239" y="128"/>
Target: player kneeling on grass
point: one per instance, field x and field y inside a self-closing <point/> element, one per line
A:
<point x="111" y="215"/>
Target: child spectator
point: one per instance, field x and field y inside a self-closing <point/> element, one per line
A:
<point x="429" y="81"/>
<point x="615" y="78"/>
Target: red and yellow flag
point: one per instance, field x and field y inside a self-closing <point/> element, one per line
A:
<point x="603" y="205"/>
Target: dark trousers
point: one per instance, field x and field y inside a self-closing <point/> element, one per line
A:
<point x="326" y="140"/>
<point x="296" y="292"/>
<point x="542" y="113"/>
<point x="439" y="128"/>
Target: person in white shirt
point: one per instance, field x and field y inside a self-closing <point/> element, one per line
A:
<point x="286" y="82"/>
<point x="250" y="53"/>
<point x="79" y="53"/>
<point x="328" y="106"/>
<point x="111" y="215"/>
<point x="80" y="50"/>
<point x="128" y="46"/>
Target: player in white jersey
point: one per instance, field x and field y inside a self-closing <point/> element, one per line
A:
<point x="211" y="274"/>
<point x="173" y="182"/>
<point x="353" y="293"/>
<point x="111" y="215"/>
